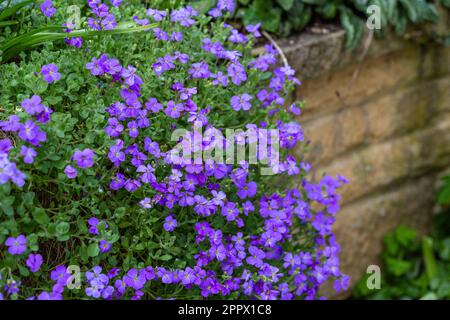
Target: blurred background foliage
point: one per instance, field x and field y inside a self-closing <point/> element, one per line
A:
<point x="415" y="267"/>
<point x="285" y="17"/>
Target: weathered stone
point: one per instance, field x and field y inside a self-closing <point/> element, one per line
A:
<point x="381" y="118"/>
<point x="313" y="54"/>
<point x="360" y="227"/>
<point x="357" y="83"/>
<point x="377" y="166"/>
<point x="395" y="113"/>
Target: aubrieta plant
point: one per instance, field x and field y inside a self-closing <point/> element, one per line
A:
<point x="93" y="203"/>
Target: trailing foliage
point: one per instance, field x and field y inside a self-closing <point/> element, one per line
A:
<point x="415" y="267"/>
<point x="89" y="174"/>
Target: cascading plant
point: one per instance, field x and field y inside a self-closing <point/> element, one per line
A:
<point x="96" y="200"/>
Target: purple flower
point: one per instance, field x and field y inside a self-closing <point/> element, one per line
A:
<point x="95" y="66"/>
<point x="157" y="15"/>
<point x="9" y="171"/>
<point x="76" y="42"/>
<point x="93" y="223"/>
<point x="237" y="73"/>
<point x="5" y="146"/>
<point x="94" y="23"/>
<point x="254" y="29"/>
<point x="241" y="102"/>
<point x="104" y="246"/>
<point x="256" y="256"/>
<point x="116" y="155"/>
<point x="44" y="116"/>
<point x="294" y="109"/>
<point x="160" y="34"/>
<point x="70" y="172"/>
<point x="112" y="66"/>
<point x="237" y="37"/>
<point x="133" y="129"/>
<point x="230" y="212"/>
<point x="159" y="67"/>
<point x="199" y="70"/>
<point x="132" y="185"/>
<point x="220" y="78"/>
<point x="183" y="16"/>
<point x="60" y="275"/>
<point x="173" y="109"/>
<point x="342" y="283"/>
<point x="145" y="203"/>
<point x="114" y="127"/>
<point x="215" y="12"/>
<point x="109" y="22"/>
<point x="147" y="173"/>
<point x="116" y="3"/>
<point x="47" y="8"/>
<point x="170" y="223"/>
<point x="248" y="207"/>
<point x="12" y="287"/>
<point x="28" y="154"/>
<point x="130" y="77"/>
<point x="176" y="36"/>
<point x="247" y="191"/>
<point x="141" y="22"/>
<point x="118" y="182"/>
<point x="33" y="105"/>
<point x="16" y="246"/>
<point x="31" y="133"/>
<point x="50" y="73"/>
<point x="100" y="10"/>
<point x="153" y="105"/>
<point x="95" y="289"/>
<point x="218" y="252"/>
<point x="166" y="276"/>
<point x="226" y="5"/>
<point x="12" y="124"/>
<point x="34" y="262"/>
<point x="188" y="276"/>
<point x="84" y="159"/>
<point x="135" y="279"/>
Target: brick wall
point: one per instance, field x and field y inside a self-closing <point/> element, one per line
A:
<point x="381" y="118"/>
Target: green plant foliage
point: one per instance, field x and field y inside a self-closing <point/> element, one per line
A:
<point x="413" y="267"/>
<point x="285" y="17"/>
<point x="65" y="218"/>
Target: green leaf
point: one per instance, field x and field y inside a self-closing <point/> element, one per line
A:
<point x="6" y="205"/>
<point x="10" y="11"/>
<point x="398" y="267"/>
<point x="264" y="12"/>
<point x="444" y="195"/>
<point x="84" y="252"/>
<point x="429" y="296"/>
<point x="353" y="26"/>
<point x="286" y="4"/>
<point x="36" y="38"/>
<point x="428" y="257"/>
<point x="165" y="257"/>
<point x="8" y="23"/>
<point x="82" y="227"/>
<point x="203" y="6"/>
<point x="23" y="271"/>
<point x="93" y="250"/>
<point x="62" y="228"/>
<point x="40" y="216"/>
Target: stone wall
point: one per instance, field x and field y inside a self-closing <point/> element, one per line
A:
<point x="380" y="117"/>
